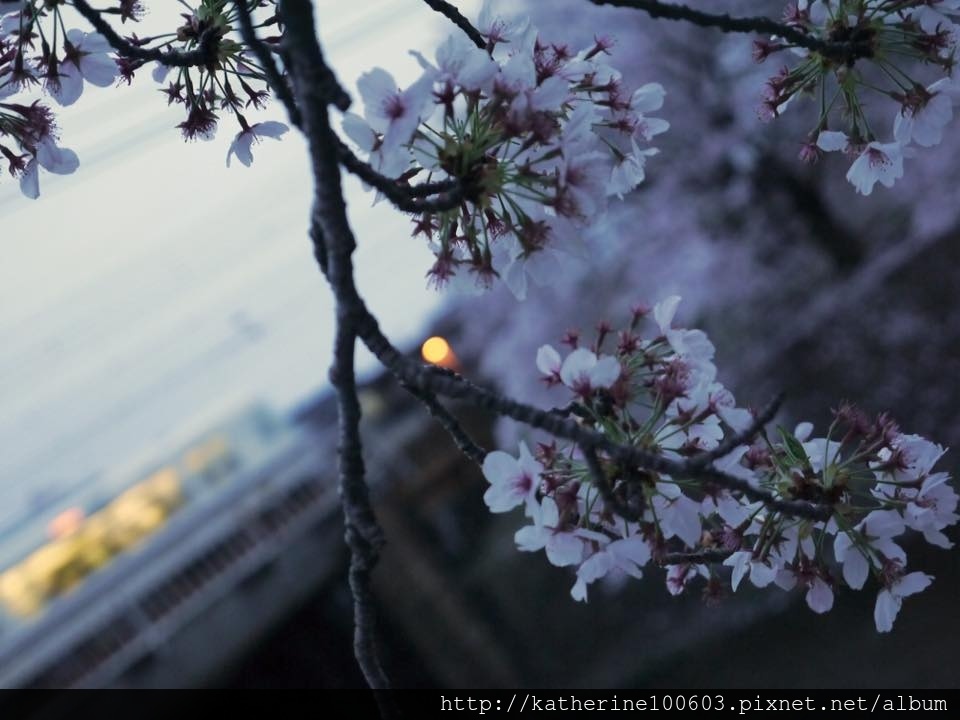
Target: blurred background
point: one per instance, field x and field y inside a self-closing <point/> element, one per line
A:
<point x="168" y="510"/>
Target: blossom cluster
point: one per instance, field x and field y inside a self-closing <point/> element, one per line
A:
<point x="889" y="43"/>
<point x="37" y="52"/>
<point x="538" y="135"/>
<point x="867" y="481"/>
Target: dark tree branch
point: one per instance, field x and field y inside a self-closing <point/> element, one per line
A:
<point x="274" y="78"/>
<point x="449" y="423"/>
<point x="457" y="18"/>
<point x="449" y="384"/>
<point x="840" y="51"/>
<point x="334" y="241"/>
<point x="603" y="484"/>
<point x="203" y="54"/>
<point x="408" y="198"/>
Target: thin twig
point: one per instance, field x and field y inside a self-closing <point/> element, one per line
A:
<point x="274" y="78"/>
<point x="457" y="18"/>
<point x="841" y="51"/>
<point x="449" y="423"/>
<point x="408" y="198"/>
<point x="203" y="54"/>
<point x="698" y="557"/>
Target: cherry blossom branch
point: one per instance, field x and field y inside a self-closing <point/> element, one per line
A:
<point x="335" y="243"/>
<point x="841" y="51"/>
<point x="408" y="198"/>
<point x="447" y="383"/>
<point x="203" y="54"/>
<point x="464" y="442"/>
<point x="457" y="18"/>
<point x="273" y="75"/>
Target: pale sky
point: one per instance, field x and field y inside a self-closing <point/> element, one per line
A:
<point x="155" y="285"/>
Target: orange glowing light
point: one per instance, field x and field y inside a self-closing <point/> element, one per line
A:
<point x="437" y="351"/>
<point x="66" y="523"/>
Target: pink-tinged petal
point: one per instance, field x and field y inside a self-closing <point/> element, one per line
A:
<point x="831" y="141"/>
<point x="740" y="562"/>
<point x="550" y="95"/>
<point x="499" y="466"/>
<point x="241" y="147"/>
<point x="903" y="127"/>
<point x="855" y="569"/>
<point x="935" y="537"/>
<point x="95" y="43"/>
<point x="530" y="538"/>
<point x="648" y="98"/>
<point x="515" y="278"/>
<point x="890" y="549"/>
<point x="841" y="547"/>
<point x="762" y="574"/>
<point x="664" y="311"/>
<point x="549" y="513"/>
<point x="271" y="129"/>
<point x="649" y="127"/>
<point x="595" y="567"/>
<point x="885" y="611"/>
<point x="548" y="360"/>
<point x="739" y="419"/>
<point x="634" y="548"/>
<point x="376" y="88"/>
<point x="100" y="70"/>
<point x="579" y="591"/>
<point x="76" y="37"/>
<point x="733" y="511"/>
<point x="692" y="344"/>
<point x="576" y="367"/>
<point x="502" y="498"/>
<point x="160" y="72"/>
<point x="528" y="465"/>
<point x="30" y="180"/>
<point x="605" y="373"/>
<point x="785" y="580"/>
<point x="69" y="87"/>
<point x="912" y="584"/>
<point x="564" y="549"/>
<point x="883" y="524"/>
<point x="61" y="161"/>
<point x="685" y="521"/>
<point x="819" y="596"/>
<point x="359" y="131"/>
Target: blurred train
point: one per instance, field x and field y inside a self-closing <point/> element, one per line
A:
<point x="90" y="528"/>
<point x="163" y="572"/>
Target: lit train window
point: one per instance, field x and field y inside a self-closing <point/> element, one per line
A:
<point x="88" y="544"/>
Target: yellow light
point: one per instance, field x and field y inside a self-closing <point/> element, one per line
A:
<point x="436" y="351"/>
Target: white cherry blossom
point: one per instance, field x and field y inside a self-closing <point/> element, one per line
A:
<point x="513" y="481"/>
<point x="890" y="599"/>
<point x="87" y="59"/>
<point x="242" y="144"/>
<point x="583" y="372"/>
<point x="876" y="532"/>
